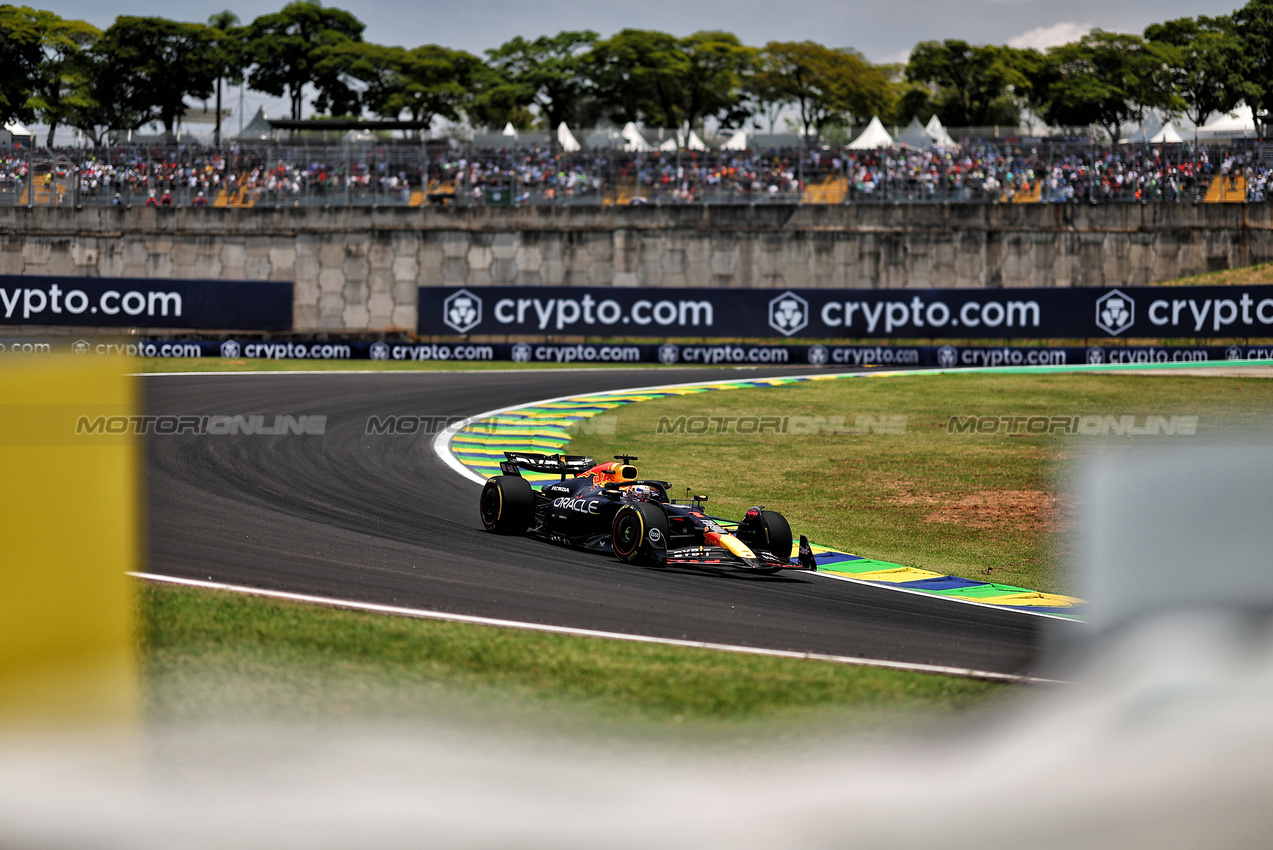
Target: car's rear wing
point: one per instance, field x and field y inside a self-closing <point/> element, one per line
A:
<point x="562" y="465"/>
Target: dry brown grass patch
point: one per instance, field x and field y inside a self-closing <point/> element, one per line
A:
<point x="1020" y="510"/>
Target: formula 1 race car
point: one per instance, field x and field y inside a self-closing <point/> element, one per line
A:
<point x="606" y="508"/>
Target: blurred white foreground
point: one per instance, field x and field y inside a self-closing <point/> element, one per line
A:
<point x="1163" y="742"/>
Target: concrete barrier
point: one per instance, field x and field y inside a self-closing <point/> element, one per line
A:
<point x="357" y="268"/>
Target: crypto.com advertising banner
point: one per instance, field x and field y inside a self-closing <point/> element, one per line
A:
<point x="667" y="354"/>
<point x="1127" y="312"/>
<point x="126" y="302"/>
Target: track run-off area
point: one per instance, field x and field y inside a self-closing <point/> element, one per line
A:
<point x="382" y="522"/>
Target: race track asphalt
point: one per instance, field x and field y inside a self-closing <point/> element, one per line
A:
<point x="381" y="519"/>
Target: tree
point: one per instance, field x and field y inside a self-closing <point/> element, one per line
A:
<point x="637" y="74"/>
<point x="433" y="82"/>
<point x="1253" y="24"/>
<point x="287" y="49"/>
<point x="828" y="86"/>
<point x="1204" y="59"/>
<point x="767" y="88"/>
<point x="21" y="52"/>
<point x="973" y="86"/>
<point x="229" y="48"/>
<point x="547" y="73"/>
<point x="157" y="64"/>
<point x="669" y="82"/>
<point x="63" y="79"/>
<point x="715" y="82"/>
<point x="427" y="82"/>
<point x="1104" y="79"/>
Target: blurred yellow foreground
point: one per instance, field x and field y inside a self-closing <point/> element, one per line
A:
<point x="69" y="519"/>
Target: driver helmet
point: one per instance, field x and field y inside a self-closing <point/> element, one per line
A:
<point x="642" y="493"/>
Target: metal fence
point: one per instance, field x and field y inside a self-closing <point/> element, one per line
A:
<point x="273" y="175"/>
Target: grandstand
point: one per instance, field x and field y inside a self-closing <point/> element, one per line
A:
<point x="413" y="175"/>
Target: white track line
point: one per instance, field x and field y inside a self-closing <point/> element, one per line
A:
<point x="592" y="633"/>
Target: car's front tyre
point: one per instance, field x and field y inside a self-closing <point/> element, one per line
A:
<point x="639" y="533"/>
<point x="507" y="505"/>
<point x="775" y="535"/>
<point x="768" y="531"/>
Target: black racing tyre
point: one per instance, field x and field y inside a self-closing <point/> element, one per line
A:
<point x="507" y="504"/>
<point x="636" y="527"/>
<point x="775" y="535"/>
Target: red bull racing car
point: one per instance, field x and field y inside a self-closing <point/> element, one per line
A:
<point x="607" y="508"/>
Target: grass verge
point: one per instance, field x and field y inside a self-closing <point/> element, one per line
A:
<point x="225" y="656"/>
<point x="1242" y="276"/>
<point x="987" y="507"/>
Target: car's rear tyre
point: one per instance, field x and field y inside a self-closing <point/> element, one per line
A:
<point x="774" y="535"/>
<point x="639" y="529"/>
<point x="507" y="505"/>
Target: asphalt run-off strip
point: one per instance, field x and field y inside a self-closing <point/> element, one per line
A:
<point x="475" y="447"/>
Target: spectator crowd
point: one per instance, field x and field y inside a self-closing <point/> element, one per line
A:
<point x="287" y="175"/>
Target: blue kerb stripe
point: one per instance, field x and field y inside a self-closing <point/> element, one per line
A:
<point x="1075" y="613"/>
<point x="835" y="557"/>
<point x="940" y="583"/>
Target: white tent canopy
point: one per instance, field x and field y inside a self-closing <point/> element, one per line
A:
<point x="509" y="130"/>
<point x="915" y="135"/>
<point x="1238" y="124"/>
<point x="874" y="136"/>
<point x="1145" y="132"/>
<point x="668" y="145"/>
<point x="937" y="132"/>
<point x="566" y="139"/>
<point x="258" y="129"/>
<point x="14" y="128"/>
<point x="633" y="141"/>
<point x="736" y="142"/>
<point x="1167" y="136"/>
<point x="694" y="143"/>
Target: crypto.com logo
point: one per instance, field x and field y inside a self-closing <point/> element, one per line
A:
<point x="669" y="354"/>
<point x="788" y="313"/>
<point x="379" y="351"/>
<point x="1115" y="312"/>
<point x="462" y="310"/>
<point x="230" y="349"/>
<point x="521" y="353"/>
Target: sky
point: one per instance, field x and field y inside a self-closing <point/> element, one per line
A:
<point x="882" y="31"/>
